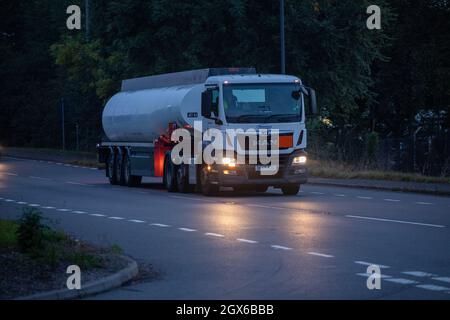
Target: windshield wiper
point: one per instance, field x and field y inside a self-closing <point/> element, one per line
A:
<point x="247" y="116"/>
<point x="282" y="115"/>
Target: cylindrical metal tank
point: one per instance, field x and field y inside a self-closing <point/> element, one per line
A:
<point x="143" y="115"/>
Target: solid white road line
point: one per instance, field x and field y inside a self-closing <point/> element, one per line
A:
<point x="420" y="274"/>
<point x="192" y="198"/>
<point x="365" y="198"/>
<point x="364" y="263"/>
<point x="136" y="221"/>
<point x="10" y="174"/>
<point x="397" y="221"/>
<point x="432" y="287"/>
<point x="187" y="229"/>
<point x="38" y="178"/>
<point x="401" y="281"/>
<point x="78" y="184"/>
<point x="391" y="200"/>
<point x="214" y="234"/>
<point x="117" y="218"/>
<point x="443" y="279"/>
<point x="323" y="255"/>
<point x="246" y="240"/>
<point x="277" y="247"/>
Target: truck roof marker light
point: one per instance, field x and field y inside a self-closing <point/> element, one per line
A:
<point x="226" y="82"/>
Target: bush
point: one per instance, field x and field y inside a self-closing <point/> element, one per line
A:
<point x="30" y="234"/>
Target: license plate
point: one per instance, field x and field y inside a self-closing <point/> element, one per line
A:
<point x="262" y="167"/>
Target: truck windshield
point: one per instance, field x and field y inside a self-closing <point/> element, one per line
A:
<point x="263" y="102"/>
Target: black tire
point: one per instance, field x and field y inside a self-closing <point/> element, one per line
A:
<point x="208" y="189"/>
<point x="183" y="179"/>
<point x="111" y="168"/>
<point x="119" y="169"/>
<point x="129" y="179"/>
<point x="170" y="177"/>
<point x="261" y="188"/>
<point x="290" y="190"/>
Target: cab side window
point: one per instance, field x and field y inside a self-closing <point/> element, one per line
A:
<point x="215" y="102"/>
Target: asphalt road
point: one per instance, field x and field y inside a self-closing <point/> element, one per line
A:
<point x="315" y="245"/>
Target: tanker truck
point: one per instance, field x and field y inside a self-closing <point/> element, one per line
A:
<point x="139" y="124"/>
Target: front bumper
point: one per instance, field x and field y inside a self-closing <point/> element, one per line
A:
<point x="288" y="173"/>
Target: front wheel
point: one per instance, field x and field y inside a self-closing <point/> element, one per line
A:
<point x="290" y="190"/>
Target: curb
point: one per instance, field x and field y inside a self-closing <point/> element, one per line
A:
<point x="90" y="288"/>
<point x="385" y="188"/>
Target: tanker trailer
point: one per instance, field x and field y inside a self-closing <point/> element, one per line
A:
<point x="138" y="123"/>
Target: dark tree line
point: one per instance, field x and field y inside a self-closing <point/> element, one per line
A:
<point x="372" y="84"/>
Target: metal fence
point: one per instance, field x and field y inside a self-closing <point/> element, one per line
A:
<point x="425" y="154"/>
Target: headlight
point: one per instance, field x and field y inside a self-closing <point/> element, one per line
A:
<point x="231" y="162"/>
<point x="299" y="160"/>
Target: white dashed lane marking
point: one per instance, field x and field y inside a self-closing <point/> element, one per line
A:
<point x="159" y="225"/>
<point x="401" y="280"/>
<point x="63" y="210"/>
<point x="365" y="198"/>
<point x="48" y="207"/>
<point x="136" y="221"/>
<point x="419" y="274"/>
<point x="397" y="221"/>
<point x="278" y="247"/>
<point x="117" y="218"/>
<point x="323" y="255"/>
<point x="423" y="203"/>
<point x="78" y="184"/>
<point x="432" y="287"/>
<point x="339" y="195"/>
<point x="316" y="192"/>
<point x="374" y="275"/>
<point x="97" y="215"/>
<point x="391" y="200"/>
<point x="34" y="205"/>
<point x="443" y="279"/>
<point x="247" y="240"/>
<point x="79" y="212"/>
<point x="212" y="234"/>
<point x="364" y="263"/>
<point x="187" y="229"/>
<point x="21" y="202"/>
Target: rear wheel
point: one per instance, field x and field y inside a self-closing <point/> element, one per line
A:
<point x="111" y="167"/>
<point x="129" y="179"/>
<point x="170" y="177"/>
<point x="290" y="190"/>
<point x="119" y="168"/>
<point x="183" y="179"/>
<point x="208" y="189"/>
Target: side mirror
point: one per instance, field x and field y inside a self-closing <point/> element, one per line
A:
<point x="206" y="103"/>
<point x="313" y="100"/>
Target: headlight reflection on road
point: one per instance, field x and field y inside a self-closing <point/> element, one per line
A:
<point x="230" y="219"/>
